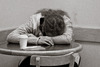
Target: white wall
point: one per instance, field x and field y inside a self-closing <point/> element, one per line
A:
<point x="84" y="13"/>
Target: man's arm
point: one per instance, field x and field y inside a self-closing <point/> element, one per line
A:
<point x="29" y="29"/>
<point x="66" y="37"/>
<point x="26" y="28"/>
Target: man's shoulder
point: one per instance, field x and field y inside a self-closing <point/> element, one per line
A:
<point x="36" y="16"/>
<point x="35" y="19"/>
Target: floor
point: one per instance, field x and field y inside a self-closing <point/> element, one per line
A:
<point x="90" y="54"/>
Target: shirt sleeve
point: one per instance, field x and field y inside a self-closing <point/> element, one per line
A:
<point x="26" y="28"/>
<point x="68" y="29"/>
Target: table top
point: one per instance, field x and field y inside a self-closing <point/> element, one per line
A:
<point x="14" y="49"/>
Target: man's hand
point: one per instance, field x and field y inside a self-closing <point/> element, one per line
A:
<point x="45" y="40"/>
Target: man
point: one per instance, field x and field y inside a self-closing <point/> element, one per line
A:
<point x="46" y="27"/>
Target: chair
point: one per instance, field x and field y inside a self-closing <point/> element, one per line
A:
<point x="53" y="60"/>
<point x="56" y="58"/>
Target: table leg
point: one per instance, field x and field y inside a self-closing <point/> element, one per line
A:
<point x="72" y="59"/>
<point x="37" y="61"/>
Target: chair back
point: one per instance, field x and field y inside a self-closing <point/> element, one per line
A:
<point x="52" y="60"/>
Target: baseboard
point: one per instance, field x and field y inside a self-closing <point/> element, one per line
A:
<point x="4" y="33"/>
<point x="80" y="34"/>
<point x="87" y="34"/>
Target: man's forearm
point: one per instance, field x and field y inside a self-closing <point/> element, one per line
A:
<point x="32" y="40"/>
<point x="13" y="38"/>
<point x="62" y="39"/>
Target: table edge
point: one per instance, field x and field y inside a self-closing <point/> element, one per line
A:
<point x="46" y="53"/>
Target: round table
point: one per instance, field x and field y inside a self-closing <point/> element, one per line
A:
<point x="14" y="49"/>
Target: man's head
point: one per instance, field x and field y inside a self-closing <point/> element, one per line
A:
<point x="46" y="12"/>
<point x="53" y="22"/>
<point x="61" y="13"/>
<point x="52" y="25"/>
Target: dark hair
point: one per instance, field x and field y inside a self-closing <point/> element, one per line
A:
<point x="62" y="13"/>
<point x="46" y="12"/>
<point x="53" y="25"/>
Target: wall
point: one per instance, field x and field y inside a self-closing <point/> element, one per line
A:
<point x="84" y="13"/>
